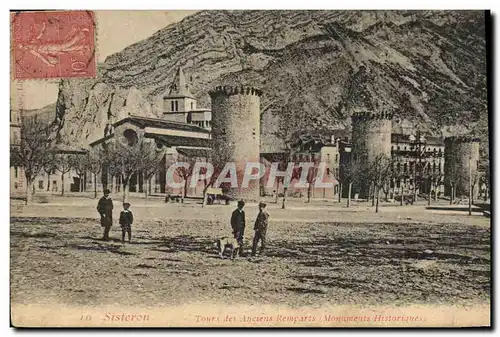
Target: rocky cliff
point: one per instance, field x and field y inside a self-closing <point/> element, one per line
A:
<point x="315" y="68"/>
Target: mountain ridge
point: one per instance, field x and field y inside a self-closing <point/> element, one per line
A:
<point x="314" y="67"/>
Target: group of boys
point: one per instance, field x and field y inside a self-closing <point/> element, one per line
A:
<point x="260" y="227"/>
<point x="105" y="209"/>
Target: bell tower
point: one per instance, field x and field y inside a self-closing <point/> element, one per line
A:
<point x="179" y="100"/>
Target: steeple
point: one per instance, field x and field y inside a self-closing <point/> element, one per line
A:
<point x="179" y="87"/>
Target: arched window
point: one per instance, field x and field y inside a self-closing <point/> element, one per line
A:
<point x="131" y="137"/>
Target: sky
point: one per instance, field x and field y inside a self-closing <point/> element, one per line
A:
<point x="115" y="31"/>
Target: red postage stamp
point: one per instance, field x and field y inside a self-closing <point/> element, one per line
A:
<point x="53" y="44"/>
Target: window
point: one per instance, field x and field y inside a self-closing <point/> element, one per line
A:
<point x="16" y="172"/>
<point x="336" y="172"/>
<point x="399" y="148"/>
<point x="328" y="171"/>
<point x="16" y="185"/>
<point x="172" y="106"/>
<point x="40" y="184"/>
<point x="328" y="158"/>
<point x="336" y="157"/>
<point x="176" y="105"/>
<point x="191" y="105"/>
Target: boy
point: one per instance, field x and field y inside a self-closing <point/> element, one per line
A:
<point x="105" y="209"/>
<point x="126" y="220"/>
<point x="260" y="229"/>
<point x="238" y="224"/>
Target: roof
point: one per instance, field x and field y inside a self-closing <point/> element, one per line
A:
<point x="179" y="87"/>
<point x="101" y="140"/>
<point x="169" y="140"/>
<point x="194" y="152"/>
<point x="404" y="138"/>
<point x="68" y="149"/>
<point x="160" y="123"/>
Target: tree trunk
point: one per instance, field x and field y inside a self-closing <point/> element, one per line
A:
<point x="340" y="192"/>
<point x="401" y="190"/>
<point x="377" y="189"/>
<point x="204" y="200"/>
<point x="277" y="191"/>
<point x="284" y="198"/>
<point x="349" y="195"/>
<point x="95" y="186"/>
<point x="48" y="182"/>
<point x="430" y="195"/>
<point x="149" y="184"/>
<point x="62" y="184"/>
<point x="185" y="187"/>
<point x="29" y="196"/>
<point x="145" y="187"/>
<point x="125" y="185"/>
<point x="373" y="195"/>
<point x="309" y="193"/>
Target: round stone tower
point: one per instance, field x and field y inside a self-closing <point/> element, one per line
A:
<point x="371" y="134"/>
<point x="461" y="158"/>
<point x="236" y="134"/>
<point x="371" y="137"/>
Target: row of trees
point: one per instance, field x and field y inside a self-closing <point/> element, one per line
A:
<point x="38" y="153"/>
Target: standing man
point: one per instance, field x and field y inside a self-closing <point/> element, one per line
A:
<point x="105" y="209"/>
<point x="260" y="229"/>
<point x="238" y="224"/>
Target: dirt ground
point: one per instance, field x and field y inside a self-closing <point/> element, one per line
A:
<point x="341" y="257"/>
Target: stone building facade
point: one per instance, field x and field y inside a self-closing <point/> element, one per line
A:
<point x="417" y="158"/>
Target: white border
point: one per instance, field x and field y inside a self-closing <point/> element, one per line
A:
<point x="193" y="5"/>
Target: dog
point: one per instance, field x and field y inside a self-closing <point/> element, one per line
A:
<point x="230" y="243"/>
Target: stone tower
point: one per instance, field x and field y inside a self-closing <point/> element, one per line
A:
<point x="236" y="134"/>
<point x="371" y="134"/>
<point x="371" y="137"/>
<point x="461" y="158"/>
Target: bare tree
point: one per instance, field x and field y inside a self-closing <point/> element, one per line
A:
<point x="124" y="160"/>
<point x="50" y="168"/>
<point x="349" y="174"/>
<point x="380" y="172"/>
<point x="33" y="151"/>
<point x="150" y="165"/>
<point x="80" y="164"/>
<point x="433" y="178"/>
<point x="63" y="164"/>
<point x="95" y="161"/>
<point x="186" y="172"/>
